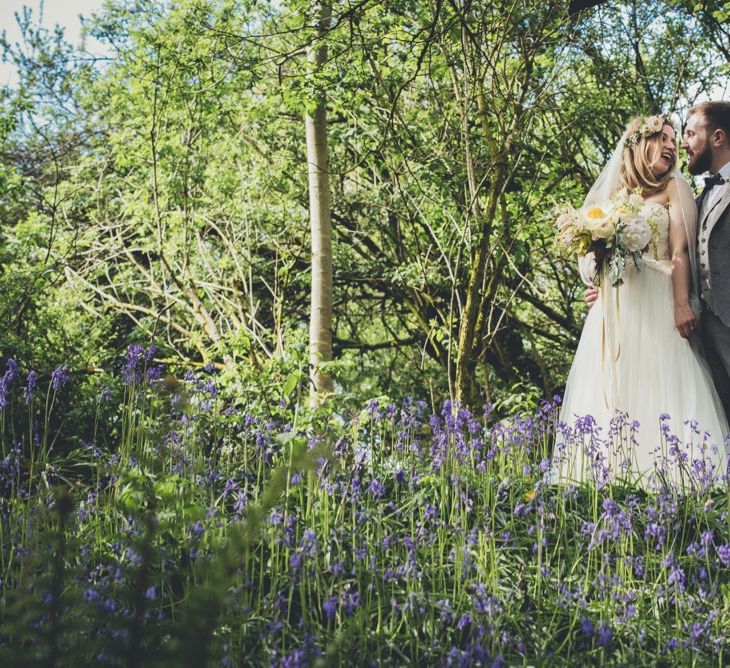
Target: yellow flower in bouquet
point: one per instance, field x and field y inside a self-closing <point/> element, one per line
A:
<point x="600" y="221"/>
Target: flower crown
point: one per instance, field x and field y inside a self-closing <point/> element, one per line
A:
<point x="649" y="126"/>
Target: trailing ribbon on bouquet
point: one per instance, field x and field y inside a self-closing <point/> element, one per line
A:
<point x="610" y="344"/>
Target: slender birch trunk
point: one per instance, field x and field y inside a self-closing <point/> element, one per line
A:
<point x="320" y="323"/>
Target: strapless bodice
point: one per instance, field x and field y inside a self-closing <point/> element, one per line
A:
<point x="658" y="217"/>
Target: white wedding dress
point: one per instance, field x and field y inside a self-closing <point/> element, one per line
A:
<point x="632" y="359"/>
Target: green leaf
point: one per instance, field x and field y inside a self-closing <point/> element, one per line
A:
<point x="291" y="383"/>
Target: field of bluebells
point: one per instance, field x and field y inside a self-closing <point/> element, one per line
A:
<point x="191" y="527"/>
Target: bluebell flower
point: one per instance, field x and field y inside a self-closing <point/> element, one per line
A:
<point x="656" y="531"/>
<point x="13" y="370"/>
<point x="134" y="556"/>
<point x="609" y="506"/>
<point x="376" y="489"/>
<point x="239" y="507"/>
<point x="110" y="606"/>
<point x="11" y="374"/>
<point x="132" y="367"/>
<point x="309" y="542"/>
<point x="723" y="552"/>
<point x="604" y="635"/>
<point x="676" y="578"/>
<point x="274" y="626"/>
<point x="350" y="602"/>
<point x="329" y="608"/>
<point x="464" y="621"/>
<point x="91" y="595"/>
<point x="30" y="385"/>
<point x="295" y="561"/>
<point x="59" y="378"/>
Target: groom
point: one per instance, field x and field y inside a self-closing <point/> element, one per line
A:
<point x="707" y="142"/>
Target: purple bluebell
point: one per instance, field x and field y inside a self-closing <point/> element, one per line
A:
<point x="723" y="552"/>
<point x="464" y="621"/>
<point x="376" y="489"/>
<point x="196" y="531"/>
<point x="91" y="595"/>
<point x="11" y="374"/>
<point x="329" y="608"/>
<point x="110" y="606"/>
<point x="133" y="364"/>
<point x="295" y="561"/>
<point x="30" y="385"/>
<point x="604" y="635"/>
<point x="59" y="377"/>
<point x="350" y="601"/>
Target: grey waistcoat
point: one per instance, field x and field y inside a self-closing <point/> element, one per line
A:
<point x="715" y="222"/>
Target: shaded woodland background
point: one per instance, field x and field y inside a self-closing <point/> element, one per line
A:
<point x="160" y="195"/>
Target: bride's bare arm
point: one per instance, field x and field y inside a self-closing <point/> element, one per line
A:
<point x="684" y="317"/>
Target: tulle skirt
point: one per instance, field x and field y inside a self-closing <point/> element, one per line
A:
<point x="639" y="403"/>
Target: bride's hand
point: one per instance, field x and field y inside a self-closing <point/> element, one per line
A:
<point x="590" y="294"/>
<point x="685" y="320"/>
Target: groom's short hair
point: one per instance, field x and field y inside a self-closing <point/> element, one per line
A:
<point x="717" y="115"/>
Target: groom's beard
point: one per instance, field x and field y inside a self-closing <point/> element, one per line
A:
<point x="700" y="162"/>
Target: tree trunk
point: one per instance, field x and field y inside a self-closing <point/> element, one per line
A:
<point x="469" y="343"/>
<point x="320" y="323"/>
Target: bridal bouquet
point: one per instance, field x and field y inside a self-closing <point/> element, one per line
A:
<point x="616" y="232"/>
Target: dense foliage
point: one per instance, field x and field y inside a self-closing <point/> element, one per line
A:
<point x="161" y="193"/>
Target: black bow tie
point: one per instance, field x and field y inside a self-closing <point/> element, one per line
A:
<point x="714" y="180"/>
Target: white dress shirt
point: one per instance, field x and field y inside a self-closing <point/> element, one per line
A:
<point x="725" y="172"/>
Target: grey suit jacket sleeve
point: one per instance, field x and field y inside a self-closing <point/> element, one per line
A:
<point x="719" y="256"/>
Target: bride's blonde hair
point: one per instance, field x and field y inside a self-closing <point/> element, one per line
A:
<point x="641" y="152"/>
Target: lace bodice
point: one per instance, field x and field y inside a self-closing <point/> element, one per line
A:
<point x="658" y="216"/>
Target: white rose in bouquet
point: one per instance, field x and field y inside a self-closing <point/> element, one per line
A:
<point x="636" y="235"/>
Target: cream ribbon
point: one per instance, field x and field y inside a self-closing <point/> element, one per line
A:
<point x="610" y="345"/>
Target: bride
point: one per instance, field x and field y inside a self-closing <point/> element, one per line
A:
<point x="639" y="402"/>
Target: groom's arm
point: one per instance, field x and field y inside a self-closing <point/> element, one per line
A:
<point x="684" y="317"/>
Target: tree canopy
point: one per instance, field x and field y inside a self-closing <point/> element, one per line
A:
<point x="162" y="194"/>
